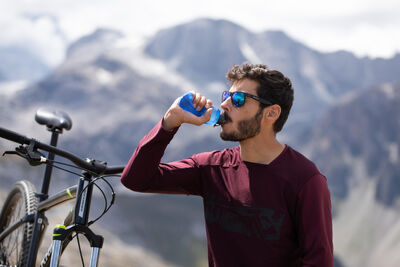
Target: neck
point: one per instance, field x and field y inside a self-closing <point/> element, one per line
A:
<point x="263" y="148"/>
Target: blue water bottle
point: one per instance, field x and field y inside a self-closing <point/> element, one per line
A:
<point x="186" y="103"/>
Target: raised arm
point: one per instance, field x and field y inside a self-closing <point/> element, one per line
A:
<point x="145" y="173"/>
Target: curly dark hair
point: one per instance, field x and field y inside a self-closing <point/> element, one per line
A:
<point x="273" y="86"/>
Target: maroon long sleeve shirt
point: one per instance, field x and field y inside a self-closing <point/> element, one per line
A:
<point x="275" y="215"/>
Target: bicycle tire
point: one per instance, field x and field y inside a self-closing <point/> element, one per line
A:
<point x="14" y="248"/>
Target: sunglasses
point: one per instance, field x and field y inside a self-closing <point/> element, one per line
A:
<point x="238" y="98"/>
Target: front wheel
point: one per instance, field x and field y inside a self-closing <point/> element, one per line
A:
<point x="14" y="248"/>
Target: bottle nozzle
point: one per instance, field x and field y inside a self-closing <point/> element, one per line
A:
<point x="221" y="120"/>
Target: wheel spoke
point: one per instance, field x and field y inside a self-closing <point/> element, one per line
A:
<point x="15" y="247"/>
<point x="13" y="242"/>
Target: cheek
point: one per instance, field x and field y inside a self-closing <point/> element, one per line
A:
<point x="240" y="113"/>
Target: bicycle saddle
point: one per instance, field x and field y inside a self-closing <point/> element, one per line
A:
<point x="53" y="119"/>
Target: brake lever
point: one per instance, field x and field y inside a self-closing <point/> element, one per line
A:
<point x="19" y="151"/>
<point x="29" y="153"/>
<point x="9" y="152"/>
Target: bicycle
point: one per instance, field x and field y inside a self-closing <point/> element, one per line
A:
<point x="22" y="220"/>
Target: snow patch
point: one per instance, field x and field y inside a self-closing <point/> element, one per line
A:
<point x="131" y="52"/>
<point x="388" y="90"/>
<point x="103" y="76"/>
<point x="366" y="233"/>
<point x="348" y="98"/>
<point x="393" y="150"/>
<point x="10" y="88"/>
<point x="310" y="72"/>
<point x="249" y="53"/>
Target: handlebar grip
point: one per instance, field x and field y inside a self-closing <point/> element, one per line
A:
<point x="13" y="136"/>
<point x="114" y="170"/>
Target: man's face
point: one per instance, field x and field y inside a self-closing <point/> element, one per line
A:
<point x="242" y="122"/>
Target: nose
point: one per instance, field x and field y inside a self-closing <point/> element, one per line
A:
<point x="226" y="105"/>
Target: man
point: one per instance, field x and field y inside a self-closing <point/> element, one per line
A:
<point x="265" y="204"/>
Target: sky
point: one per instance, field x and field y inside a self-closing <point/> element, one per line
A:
<point x="364" y="27"/>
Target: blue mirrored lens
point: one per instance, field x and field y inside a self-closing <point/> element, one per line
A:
<point x="225" y="96"/>
<point x="238" y="99"/>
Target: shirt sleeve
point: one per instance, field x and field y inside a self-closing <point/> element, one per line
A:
<point x="314" y="219"/>
<point x="145" y="173"/>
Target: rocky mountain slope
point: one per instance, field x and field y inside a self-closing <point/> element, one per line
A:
<point x="115" y="88"/>
<point x="356" y="144"/>
<point x="204" y="50"/>
<point x="358" y="140"/>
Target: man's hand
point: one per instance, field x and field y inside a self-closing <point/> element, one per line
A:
<point x="175" y="115"/>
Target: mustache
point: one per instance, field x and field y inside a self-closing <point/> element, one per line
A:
<point x="226" y="117"/>
<point x="223" y="118"/>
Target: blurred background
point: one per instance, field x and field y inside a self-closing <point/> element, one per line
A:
<point x="116" y="66"/>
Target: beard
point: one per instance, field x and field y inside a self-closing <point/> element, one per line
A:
<point x="247" y="128"/>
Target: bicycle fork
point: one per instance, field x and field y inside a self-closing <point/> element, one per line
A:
<point x="79" y="225"/>
<point x="61" y="233"/>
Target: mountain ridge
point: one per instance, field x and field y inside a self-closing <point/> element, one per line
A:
<point x="113" y="105"/>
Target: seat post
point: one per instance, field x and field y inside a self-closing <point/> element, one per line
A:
<point x="39" y="217"/>
<point x="49" y="167"/>
<point x="55" y="121"/>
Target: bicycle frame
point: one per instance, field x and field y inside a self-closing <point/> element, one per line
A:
<point x="57" y="199"/>
<point x="79" y="225"/>
<point x="82" y="203"/>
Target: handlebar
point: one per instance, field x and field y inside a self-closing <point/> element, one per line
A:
<point x="97" y="167"/>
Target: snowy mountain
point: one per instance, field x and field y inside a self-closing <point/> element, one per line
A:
<point x="205" y="49"/>
<point x="116" y="87"/>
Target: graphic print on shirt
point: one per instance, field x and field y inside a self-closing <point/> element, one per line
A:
<point x="262" y="223"/>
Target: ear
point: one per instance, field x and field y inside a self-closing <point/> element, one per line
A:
<point x="273" y="112"/>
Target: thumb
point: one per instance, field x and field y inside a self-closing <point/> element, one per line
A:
<point x="207" y="115"/>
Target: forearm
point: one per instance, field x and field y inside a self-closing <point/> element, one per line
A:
<point x="144" y="162"/>
<point x="145" y="173"/>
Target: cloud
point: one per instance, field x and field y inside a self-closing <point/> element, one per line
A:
<point x="49" y="26"/>
<point x="37" y="33"/>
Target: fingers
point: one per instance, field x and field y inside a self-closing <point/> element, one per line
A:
<point x="200" y="101"/>
<point x="200" y="120"/>
<point x="175" y="115"/>
<point x="197" y="100"/>
<point x="208" y="104"/>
